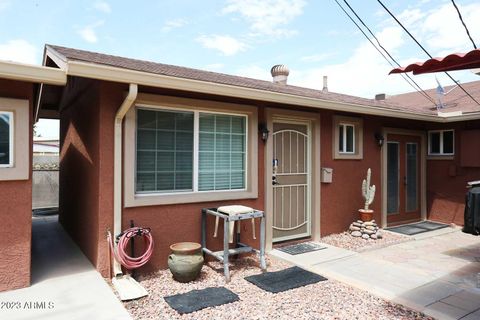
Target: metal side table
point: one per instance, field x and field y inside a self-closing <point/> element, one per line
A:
<point x="223" y="256"/>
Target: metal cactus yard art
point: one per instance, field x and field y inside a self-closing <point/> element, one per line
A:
<point x="368" y="191"/>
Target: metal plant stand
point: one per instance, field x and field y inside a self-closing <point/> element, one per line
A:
<point x="223" y="256"/>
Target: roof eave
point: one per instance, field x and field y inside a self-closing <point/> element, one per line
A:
<point x="32" y="73"/>
<point x="122" y="75"/>
<point x="115" y="74"/>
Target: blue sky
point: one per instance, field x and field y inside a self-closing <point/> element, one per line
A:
<point x="313" y="38"/>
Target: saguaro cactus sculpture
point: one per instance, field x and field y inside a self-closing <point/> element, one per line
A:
<point x="368" y="191"/>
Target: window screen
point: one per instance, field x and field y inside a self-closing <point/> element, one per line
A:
<point x="346" y="138"/>
<point x="221" y="152"/>
<point x="6" y="121"/>
<point x="164" y="151"/>
<point x="341" y="138"/>
<point x="434" y="142"/>
<point x="448" y="142"/>
<point x="350" y="138"/>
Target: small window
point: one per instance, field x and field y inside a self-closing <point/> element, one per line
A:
<point x="348" y="137"/>
<point x="441" y="142"/>
<point x="6" y="139"/>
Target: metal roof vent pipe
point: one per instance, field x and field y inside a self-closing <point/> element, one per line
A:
<point x="325" y="83"/>
<point x="381" y="96"/>
<point x="280" y="74"/>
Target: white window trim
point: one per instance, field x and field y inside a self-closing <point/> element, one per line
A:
<point x="11" y="134"/>
<point x="20" y="168"/>
<point x="344" y="142"/>
<point x="196" y="149"/>
<point x="441" y="153"/>
<point x="131" y="199"/>
<point x="357" y="123"/>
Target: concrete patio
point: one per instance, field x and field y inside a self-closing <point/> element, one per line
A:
<point x="65" y="285"/>
<point x="435" y="273"/>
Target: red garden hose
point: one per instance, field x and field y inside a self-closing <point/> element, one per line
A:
<point x="120" y="254"/>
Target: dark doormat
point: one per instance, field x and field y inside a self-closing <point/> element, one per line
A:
<point x="417" y="228"/>
<point x="200" y="299"/>
<point x="300" y="248"/>
<point x="284" y="280"/>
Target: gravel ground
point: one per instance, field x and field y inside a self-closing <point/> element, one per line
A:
<point x="324" y="300"/>
<point x="347" y="241"/>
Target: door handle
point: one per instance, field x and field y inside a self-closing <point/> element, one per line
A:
<point x="405" y="180"/>
<point x="274" y="173"/>
<point x="274" y="181"/>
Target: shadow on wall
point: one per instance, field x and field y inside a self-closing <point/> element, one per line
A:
<point x="73" y="139"/>
<point x="78" y="200"/>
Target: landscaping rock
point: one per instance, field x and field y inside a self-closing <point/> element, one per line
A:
<point x="323" y="300"/>
<point x="356" y="234"/>
<point x="365" y="229"/>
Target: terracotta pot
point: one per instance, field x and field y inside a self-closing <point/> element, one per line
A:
<point x="365" y="215"/>
<point x="186" y="261"/>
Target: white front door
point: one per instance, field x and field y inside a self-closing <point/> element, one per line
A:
<point x="291" y="181"/>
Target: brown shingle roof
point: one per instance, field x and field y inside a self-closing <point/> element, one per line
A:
<point x="411" y="102"/>
<point x="454" y="100"/>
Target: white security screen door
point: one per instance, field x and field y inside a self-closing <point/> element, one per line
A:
<point x="290" y="180"/>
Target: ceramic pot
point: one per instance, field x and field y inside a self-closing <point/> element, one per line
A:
<point x="186" y="261"/>
<point x="365" y="215"/>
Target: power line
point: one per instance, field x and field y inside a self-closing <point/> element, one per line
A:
<point x="386" y="59"/>
<point x="386" y="51"/>
<point x="464" y="25"/>
<point x="424" y="50"/>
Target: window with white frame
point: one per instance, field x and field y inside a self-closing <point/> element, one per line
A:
<point x="190" y="151"/>
<point x="441" y="142"/>
<point x="6" y="139"/>
<point x="346" y="138"/>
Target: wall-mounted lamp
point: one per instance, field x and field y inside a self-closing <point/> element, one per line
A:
<point x="380" y="139"/>
<point x="262" y="128"/>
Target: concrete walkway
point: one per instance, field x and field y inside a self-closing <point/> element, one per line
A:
<point x="65" y="285"/>
<point x="436" y="275"/>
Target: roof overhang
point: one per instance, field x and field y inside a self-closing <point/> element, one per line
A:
<point x="32" y="73"/>
<point x="121" y="75"/>
<point x="452" y="62"/>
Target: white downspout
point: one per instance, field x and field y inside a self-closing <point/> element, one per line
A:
<point x="117" y="166"/>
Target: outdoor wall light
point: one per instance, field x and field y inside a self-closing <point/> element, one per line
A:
<point x="380" y="139"/>
<point x="262" y="128"/>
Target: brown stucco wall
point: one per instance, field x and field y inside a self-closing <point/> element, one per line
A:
<point x="87" y="179"/>
<point x="341" y="199"/>
<point x="16" y="210"/>
<point x="447" y="179"/>
<point x="169" y="223"/>
<point x="79" y="165"/>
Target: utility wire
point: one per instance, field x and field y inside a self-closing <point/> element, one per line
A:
<point x="386" y="59"/>
<point x="424" y="50"/>
<point x="386" y="51"/>
<point x="464" y="25"/>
